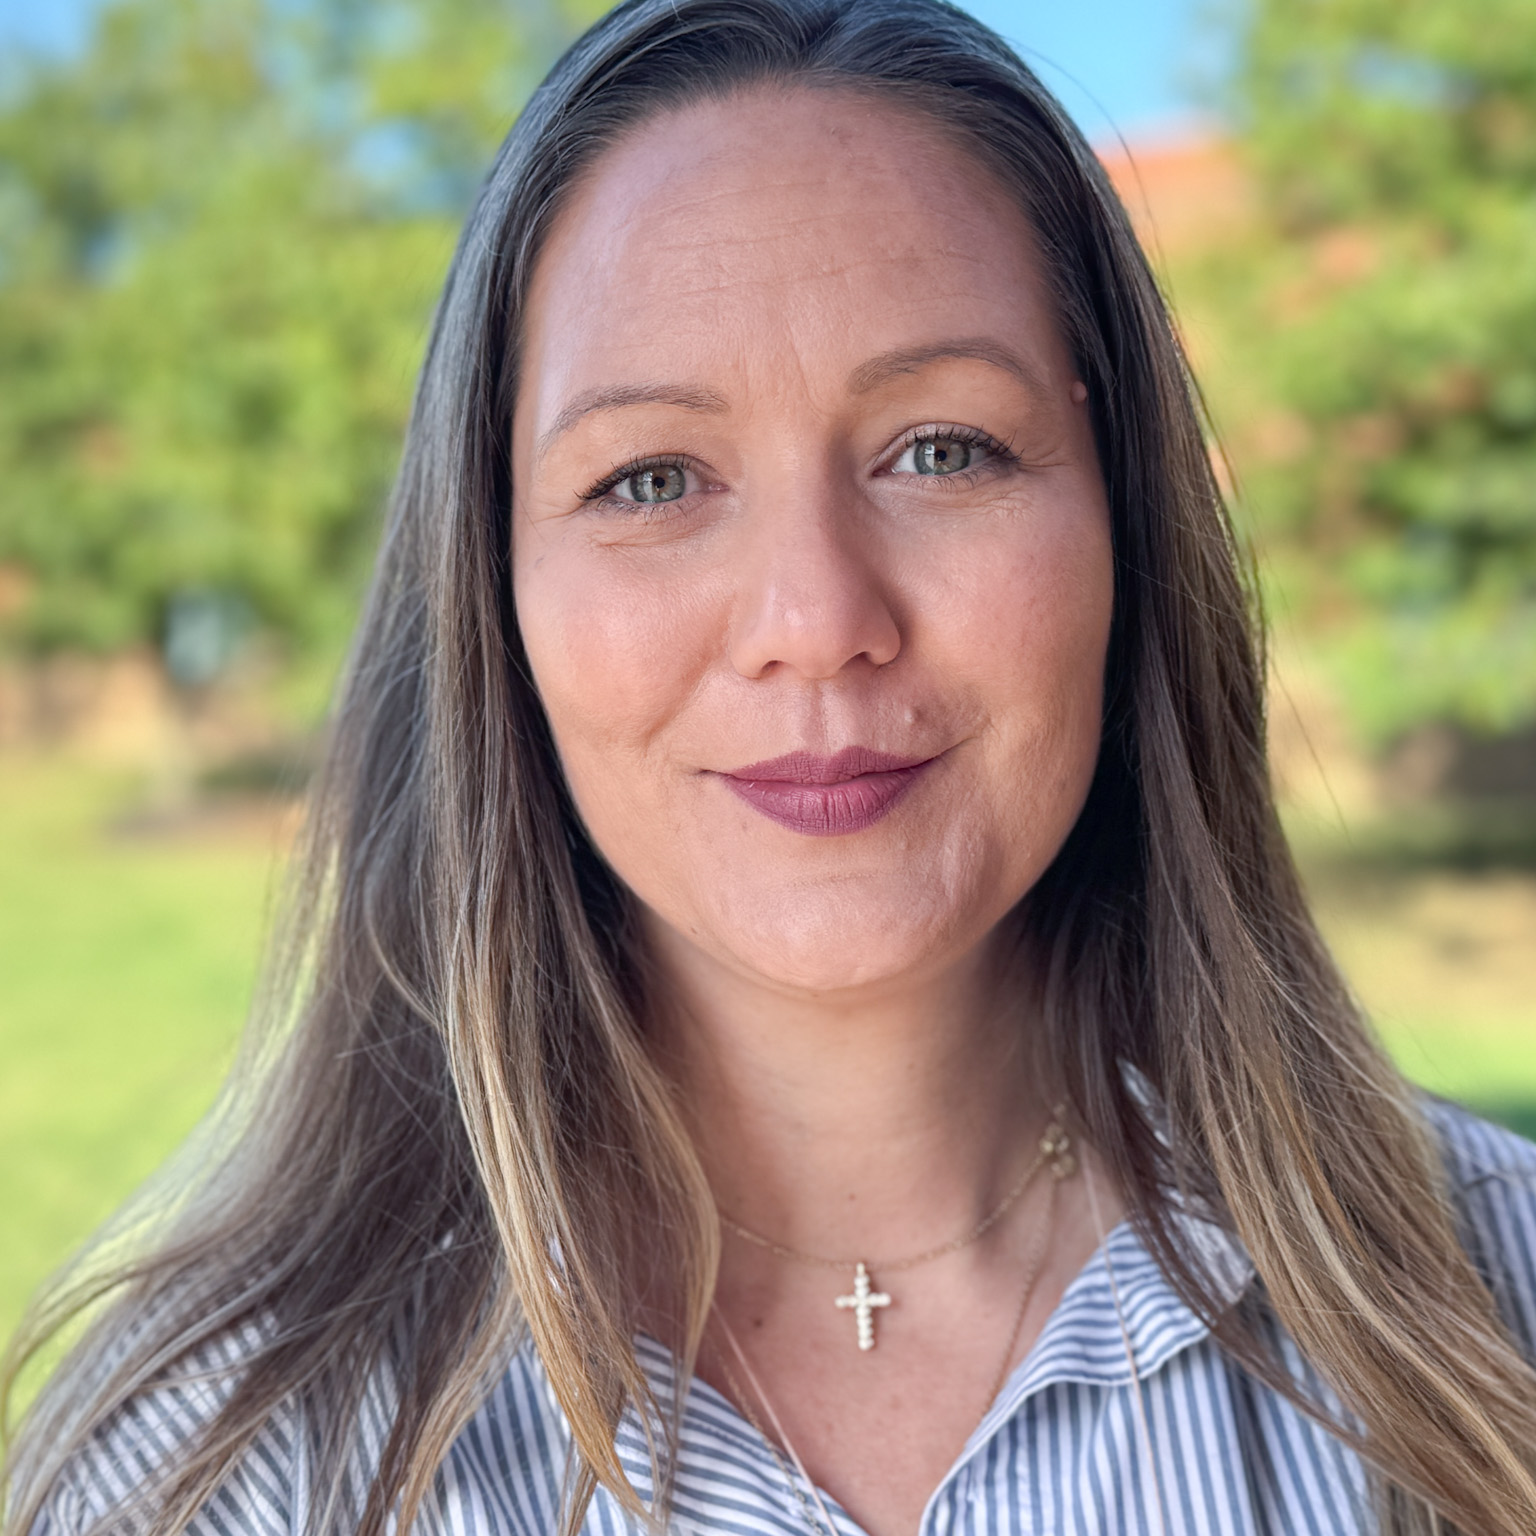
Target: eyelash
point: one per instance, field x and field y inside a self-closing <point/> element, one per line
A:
<point x="936" y="430"/>
<point x="634" y="467"/>
<point x="953" y="433"/>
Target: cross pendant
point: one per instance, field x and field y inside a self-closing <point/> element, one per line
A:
<point x="864" y="1301"/>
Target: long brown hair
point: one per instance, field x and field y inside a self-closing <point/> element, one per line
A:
<point x="447" y="1136"/>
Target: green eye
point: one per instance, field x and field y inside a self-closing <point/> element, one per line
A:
<point x="661" y="482"/>
<point x="941" y="456"/>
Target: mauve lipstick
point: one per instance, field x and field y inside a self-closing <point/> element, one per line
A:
<point x="827" y="796"/>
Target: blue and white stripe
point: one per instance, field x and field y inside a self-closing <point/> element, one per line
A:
<point x="1076" y="1444"/>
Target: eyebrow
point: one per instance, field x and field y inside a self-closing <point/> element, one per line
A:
<point x="867" y="376"/>
<point x="888" y="365"/>
<point x="613" y="397"/>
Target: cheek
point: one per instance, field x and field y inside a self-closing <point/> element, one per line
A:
<point x="614" y="651"/>
<point x="1031" y="625"/>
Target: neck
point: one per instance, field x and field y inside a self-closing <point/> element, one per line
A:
<point x="876" y="1120"/>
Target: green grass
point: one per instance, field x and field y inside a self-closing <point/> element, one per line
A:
<point x="126" y="965"/>
<point x="1445" y="960"/>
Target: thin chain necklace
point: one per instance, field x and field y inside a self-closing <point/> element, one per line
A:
<point x="798" y="1485"/>
<point x="1056" y="1146"/>
<point x="864" y="1300"/>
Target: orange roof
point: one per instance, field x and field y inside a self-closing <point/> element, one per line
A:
<point x="1180" y="193"/>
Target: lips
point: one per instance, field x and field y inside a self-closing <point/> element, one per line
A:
<point x="822" y="796"/>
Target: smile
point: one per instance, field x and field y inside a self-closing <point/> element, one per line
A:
<point x="822" y="796"/>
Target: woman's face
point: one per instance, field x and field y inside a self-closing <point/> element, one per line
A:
<point x="811" y="552"/>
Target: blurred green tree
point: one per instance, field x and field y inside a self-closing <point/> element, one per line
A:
<point x="221" y="232"/>
<point x="1388" y="312"/>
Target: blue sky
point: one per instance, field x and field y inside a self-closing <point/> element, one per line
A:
<point x="1140" y="68"/>
<point x="1126" y="66"/>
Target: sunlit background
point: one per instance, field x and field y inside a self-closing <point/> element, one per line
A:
<point x="222" y="225"/>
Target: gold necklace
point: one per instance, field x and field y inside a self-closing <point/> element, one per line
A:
<point x="744" y="1402"/>
<point x="1035" y="1263"/>
<point x="864" y="1300"/>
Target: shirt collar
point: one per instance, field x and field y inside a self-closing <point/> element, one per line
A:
<point x="1121" y="1309"/>
<point x="1089" y="1340"/>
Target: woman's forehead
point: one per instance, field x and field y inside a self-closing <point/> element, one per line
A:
<point x="807" y="228"/>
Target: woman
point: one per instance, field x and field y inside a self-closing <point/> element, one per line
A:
<point x="799" y="1016"/>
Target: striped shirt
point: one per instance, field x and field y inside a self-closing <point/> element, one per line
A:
<point x="1123" y="1420"/>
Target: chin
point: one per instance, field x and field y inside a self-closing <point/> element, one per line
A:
<point x="847" y="941"/>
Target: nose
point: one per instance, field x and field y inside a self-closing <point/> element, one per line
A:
<point x="810" y="595"/>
